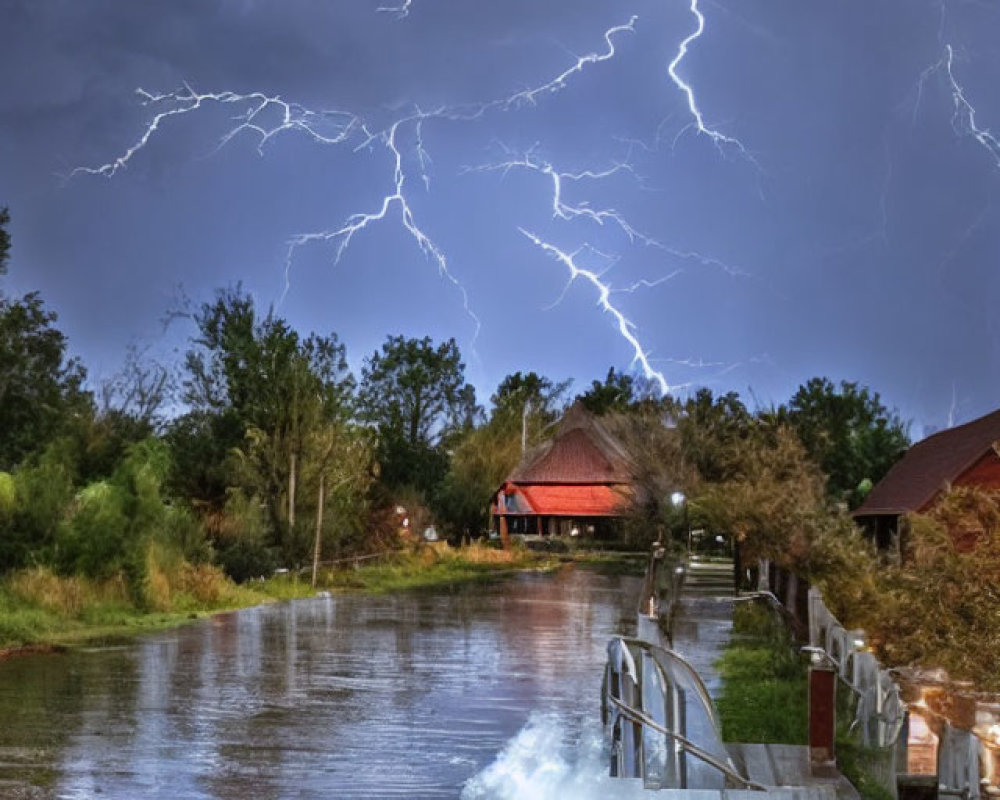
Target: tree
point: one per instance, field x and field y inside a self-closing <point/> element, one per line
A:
<point x="254" y="378"/>
<point x="849" y="433"/>
<point x="712" y="432"/>
<point x="616" y="395"/>
<point x="4" y="239"/>
<point x="524" y="407"/>
<point x="40" y="388"/>
<point x="414" y="394"/>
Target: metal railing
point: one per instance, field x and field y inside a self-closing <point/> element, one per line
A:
<point x="652" y="701"/>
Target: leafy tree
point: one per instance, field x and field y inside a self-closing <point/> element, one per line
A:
<point x="40" y="388"/>
<point x="37" y="497"/>
<point x="415" y="395"/>
<point x="849" y="433"/>
<point x="4" y="239"/>
<point x="517" y="391"/>
<point x="938" y="608"/>
<point x="616" y="394"/>
<point x="712" y="431"/>
<point x="255" y="380"/>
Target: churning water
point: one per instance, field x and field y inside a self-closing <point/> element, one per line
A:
<point x="479" y="692"/>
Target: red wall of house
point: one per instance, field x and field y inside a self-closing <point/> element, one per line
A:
<point x="985" y="472"/>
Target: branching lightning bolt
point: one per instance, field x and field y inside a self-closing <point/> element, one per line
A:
<point x="559" y="82"/>
<point x="561" y="209"/>
<point x="964" y="114"/>
<point x="625" y="327"/>
<point x="718" y="138"/>
<point x="964" y="117"/>
<point x="266" y="116"/>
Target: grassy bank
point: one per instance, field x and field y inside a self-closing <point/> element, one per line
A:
<point x="427" y="567"/>
<point x="765" y="695"/>
<point x="39" y="609"/>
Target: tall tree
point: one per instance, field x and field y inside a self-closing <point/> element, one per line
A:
<point x="849" y="433"/>
<point x="615" y="394"/>
<point x="40" y="387"/>
<point x="254" y="377"/>
<point x="414" y="393"/>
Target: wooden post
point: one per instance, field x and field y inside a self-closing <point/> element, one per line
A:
<point x="319" y="525"/>
<point x="504" y="535"/>
<point x="291" y="493"/>
<point x="822" y="719"/>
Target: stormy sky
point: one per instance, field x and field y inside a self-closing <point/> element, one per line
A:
<point x="802" y="188"/>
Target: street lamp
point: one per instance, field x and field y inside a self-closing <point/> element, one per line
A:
<point x="678" y="500"/>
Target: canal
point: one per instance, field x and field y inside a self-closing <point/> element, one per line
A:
<point x="475" y="692"/>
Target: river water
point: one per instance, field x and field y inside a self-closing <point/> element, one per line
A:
<point x="478" y="692"/>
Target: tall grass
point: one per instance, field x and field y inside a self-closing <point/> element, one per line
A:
<point x="39" y="606"/>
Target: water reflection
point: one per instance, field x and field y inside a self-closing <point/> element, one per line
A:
<point x="406" y="696"/>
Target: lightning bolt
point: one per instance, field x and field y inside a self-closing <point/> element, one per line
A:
<point x="625" y="327"/>
<point x="963" y="119"/>
<point x="401" y="11"/>
<point x="559" y="81"/>
<point x="719" y="139"/>
<point x="265" y="117"/>
<point x="564" y="210"/>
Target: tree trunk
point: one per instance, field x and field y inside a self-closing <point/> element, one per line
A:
<point x="291" y="494"/>
<point x="319" y="525"/>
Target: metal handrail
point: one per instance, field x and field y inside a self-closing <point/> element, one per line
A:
<point x="637" y="716"/>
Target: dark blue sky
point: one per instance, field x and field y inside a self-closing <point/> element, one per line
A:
<point x="835" y="215"/>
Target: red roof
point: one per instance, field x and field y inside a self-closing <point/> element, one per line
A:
<point x="582" y="451"/>
<point x="577" y="501"/>
<point x="926" y="467"/>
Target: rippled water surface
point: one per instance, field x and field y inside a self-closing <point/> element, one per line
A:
<point x="411" y="695"/>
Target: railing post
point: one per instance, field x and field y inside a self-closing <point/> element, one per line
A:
<point x="822" y="716"/>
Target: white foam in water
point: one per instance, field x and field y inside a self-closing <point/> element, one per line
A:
<point x="547" y="762"/>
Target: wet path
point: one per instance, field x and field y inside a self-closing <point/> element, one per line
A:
<point x="346" y="697"/>
<point x="703" y="621"/>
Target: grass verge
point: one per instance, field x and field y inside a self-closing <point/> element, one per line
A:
<point x="765" y="696"/>
<point x="765" y="690"/>
<point x="40" y="610"/>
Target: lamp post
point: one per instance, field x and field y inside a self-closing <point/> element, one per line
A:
<point x="678" y="500"/>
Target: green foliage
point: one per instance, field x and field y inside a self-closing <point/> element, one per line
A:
<point x="43" y="489"/>
<point x="8" y="495"/>
<point x="770" y="500"/>
<point x="938" y="608"/>
<point x="116" y="525"/>
<point x="415" y="395"/>
<point x="40" y="389"/>
<point x="847" y="430"/>
<point x="618" y="394"/>
<point x="765" y="693"/>
<point x="4" y="239"/>
<point x="243" y="550"/>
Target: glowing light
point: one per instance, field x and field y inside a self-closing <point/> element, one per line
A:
<point x="625" y="327"/>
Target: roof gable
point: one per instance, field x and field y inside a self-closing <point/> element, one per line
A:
<point x="929" y="465"/>
<point x="582" y="451"/>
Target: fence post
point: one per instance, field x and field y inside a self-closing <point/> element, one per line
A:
<point x="822" y="716"/>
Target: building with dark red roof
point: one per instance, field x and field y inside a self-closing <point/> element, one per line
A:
<point x="580" y="480"/>
<point x="962" y="456"/>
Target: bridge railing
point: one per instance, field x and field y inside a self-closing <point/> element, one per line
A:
<point x="663" y="725"/>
